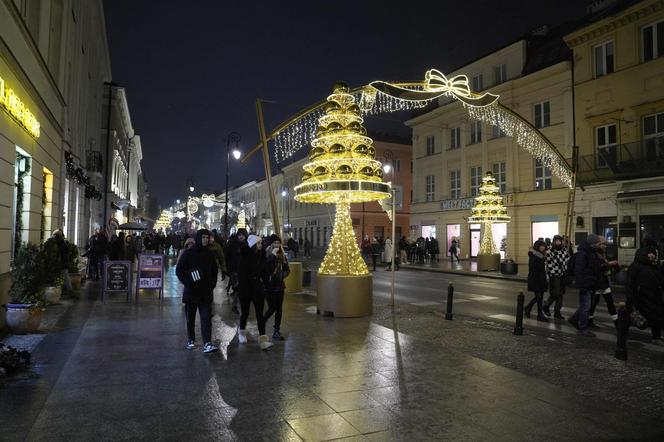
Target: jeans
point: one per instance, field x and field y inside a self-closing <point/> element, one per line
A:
<point x="556" y="292"/>
<point x="205" y="314"/>
<point x="581" y="313"/>
<point x="246" y="298"/>
<point x="275" y="302"/>
<point x="610" y="305"/>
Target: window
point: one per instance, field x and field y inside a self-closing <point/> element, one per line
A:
<point x="500" y="174"/>
<point x="431" y="145"/>
<point x="475" y="132"/>
<point x="478" y="83"/>
<point x="605" y="138"/>
<point x="542" y="176"/>
<point x="475" y="180"/>
<point x="397" y="164"/>
<point x="455" y="184"/>
<point x="653" y="136"/>
<point x="652" y="41"/>
<point x="500" y="73"/>
<point x="430" y="187"/>
<point x="542" y="115"/>
<point x="603" y="59"/>
<point x="455" y="138"/>
<point x="497" y="132"/>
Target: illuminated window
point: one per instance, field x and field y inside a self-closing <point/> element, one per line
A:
<point x="455" y="183"/>
<point x="542" y="115"/>
<point x="652" y="41"/>
<point x="500" y="73"/>
<point x="475" y="132"/>
<point x="478" y="83"/>
<point x="542" y="176"/>
<point x="430" y="187"/>
<point x="603" y="59"/>
<point x="431" y="145"/>
<point x="455" y="138"/>
<point x="606" y="142"/>
<point x="475" y="180"/>
<point x="500" y="174"/>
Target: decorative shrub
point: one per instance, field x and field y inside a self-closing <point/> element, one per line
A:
<point x="72" y="265"/>
<point x="12" y="360"/>
<point x="27" y="273"/>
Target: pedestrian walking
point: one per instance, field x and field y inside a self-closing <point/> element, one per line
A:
<point x="197" y="271"/>
<point x="435" y="250"/>
<point x="537" y="279"/>
<point x="586" y="275"/>
<point x="276" y="272"/>
<point x="403" y="250"/>
<point x="129" y="249"/>
<point x="557" y="260"/>
<point x="603" y="285"/>
<point x="234" y="253"/>
<point x="188" y="244"/>
<point x="645" y="285"/>
<point x="454" y="250"/>
<point x="375" y="251"/>
<point x="219" y="255"/>
<point x="307" y="248"/>
<point x="365" y="247"/>
<point x="388" y="254"/>
<point x="252" y="289"/>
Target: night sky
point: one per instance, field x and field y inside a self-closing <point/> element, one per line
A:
<point x="193" y="69"/>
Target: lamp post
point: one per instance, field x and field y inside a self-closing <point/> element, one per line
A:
<point x="284" y="194"/>
<point x="235" y="138"/>
<point x="387" y="168"/>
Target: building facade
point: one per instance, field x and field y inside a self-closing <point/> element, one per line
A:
<point x="619" y="88"/>
<point x="451" y="152"/>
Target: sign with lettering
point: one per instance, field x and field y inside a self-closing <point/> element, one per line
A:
<point x="18" y="109"/>
<point x="458" y="204"/>
<point x="313" y="222"/>
<point x="116" y="277"/>
<point x="150" y="271"/>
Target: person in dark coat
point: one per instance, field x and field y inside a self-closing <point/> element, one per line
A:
<point x="587" y="272"/>
<point x="276" y="271"/>
<point x="375" y="251"/>
<point x="234" y="253"/>
<point x="603" y="285"/>
<point x="644" y="288"/>
<point x="252" y="288"/>
<point x="197" y="271"/>
<point x="537" y="279"/>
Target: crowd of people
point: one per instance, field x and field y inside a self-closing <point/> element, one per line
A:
<point x="552" y="267"/>
<point x="405" y="251"/>
<point x="256" y="268"/>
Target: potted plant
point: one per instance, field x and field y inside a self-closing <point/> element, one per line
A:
<point x="72" y="265"/>
<point x="24" y="313"/>
<point x="508" y="266"/>
<point x="53" y="280"/>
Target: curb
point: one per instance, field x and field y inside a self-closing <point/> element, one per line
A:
<point x="467" y="273"/>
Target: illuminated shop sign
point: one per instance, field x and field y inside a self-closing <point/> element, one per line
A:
<point x="18" y="110"/>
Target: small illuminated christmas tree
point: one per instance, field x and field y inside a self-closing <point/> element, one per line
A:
<point x="488" y="209"/>
<point x="343" y="170"/>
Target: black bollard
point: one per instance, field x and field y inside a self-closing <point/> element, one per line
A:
<point x="518" y="328"/>
<point x="450" y="301"/>
<point x="622" y="327"/>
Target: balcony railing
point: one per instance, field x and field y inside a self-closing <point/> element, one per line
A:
<point x="640" y="159"/>
<point x="94" y="162"/>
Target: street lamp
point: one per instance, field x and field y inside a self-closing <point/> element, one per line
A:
<point x="284" y="194"/>
<point x="177" y="201"/>
<point x="235" y="138"/>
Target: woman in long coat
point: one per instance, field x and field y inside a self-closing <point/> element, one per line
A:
<point x="537" y="279"/>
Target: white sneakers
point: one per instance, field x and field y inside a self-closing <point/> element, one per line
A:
<point x="191" y="345"/>
<point x="264" y="342"/>
<point x="210" y="348"/>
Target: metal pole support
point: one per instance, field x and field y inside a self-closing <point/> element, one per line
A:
<point x="450" y="301"/>
<point x="518" y="327"/>
<point x="622" y="328"/>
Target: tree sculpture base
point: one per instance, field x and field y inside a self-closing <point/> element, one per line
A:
<point x="488" y="262"/>
<point x="345" y="296"/>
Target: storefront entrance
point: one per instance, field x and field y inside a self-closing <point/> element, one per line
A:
<point x="653" y="226"/>
<point x="475" y="237"/>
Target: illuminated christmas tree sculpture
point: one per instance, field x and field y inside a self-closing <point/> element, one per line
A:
<point x="488" y="209"/>
<point x="343" y="170"/>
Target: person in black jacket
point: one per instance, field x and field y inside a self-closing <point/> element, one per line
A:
<point x="587" y="272"/>
<point x="252" y="288"/>
<point x="276" y="272"/>
<point x="645" y="286"/>
<point x="233" y="253"/>
<point x="197" y="271"/>
<point x="537" y="278"/>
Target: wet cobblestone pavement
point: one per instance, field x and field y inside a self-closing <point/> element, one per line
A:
<point x="117" y="371"/>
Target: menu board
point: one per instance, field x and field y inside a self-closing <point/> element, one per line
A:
<point x="117" y="276"/>
<point x="150" y="271"/>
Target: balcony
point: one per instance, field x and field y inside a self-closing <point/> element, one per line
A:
<point x="94" y="162"/>
<point x="640" y="159"/>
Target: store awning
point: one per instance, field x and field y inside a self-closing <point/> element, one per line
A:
<point x="629" y="194"/>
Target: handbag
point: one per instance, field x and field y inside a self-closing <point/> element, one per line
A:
<point x="637" y="320"/>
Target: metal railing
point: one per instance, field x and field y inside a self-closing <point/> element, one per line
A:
<point x="639" y="159"/>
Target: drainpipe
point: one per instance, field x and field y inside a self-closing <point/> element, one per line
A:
<point x="108" y="142"/>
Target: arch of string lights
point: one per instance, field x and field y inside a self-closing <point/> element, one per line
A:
<point x="381" y="97"/>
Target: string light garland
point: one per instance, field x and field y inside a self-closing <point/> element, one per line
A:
<point x="342" y="170"/>
<point x="381" y="97"/>
<point x="489" y="208"/>
<point x="79" y="177"/>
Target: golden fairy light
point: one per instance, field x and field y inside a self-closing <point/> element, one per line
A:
<point x="342" y="170"/>
<point x="489" y="208"/>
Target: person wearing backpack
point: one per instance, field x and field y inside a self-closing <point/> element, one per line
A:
<point x="587" y="271"/>
<point x="556" y="263"/>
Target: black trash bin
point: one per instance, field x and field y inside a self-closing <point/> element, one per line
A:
<point x="509" y="268"/>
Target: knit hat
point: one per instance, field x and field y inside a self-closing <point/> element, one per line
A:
<point x="593" y="239"/>
<point x="558" y="237"/>
<point x="252" y="240"/>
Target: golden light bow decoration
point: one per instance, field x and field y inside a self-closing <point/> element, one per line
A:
<point x="208" y="200"/>
<point x="380" y="97"/>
